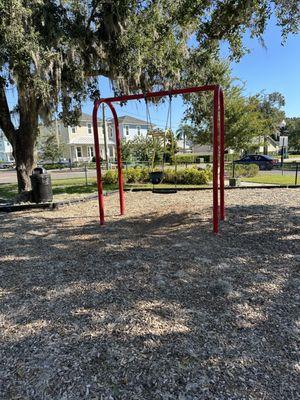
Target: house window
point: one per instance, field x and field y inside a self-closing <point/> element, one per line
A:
<point x="126" y="130"/>
<point x="89" y="126"/>
<point x="79" y="152"/>
<point x="73" y="129"/>
<point x="91" y="151"/>
<point x="138" y="128"/>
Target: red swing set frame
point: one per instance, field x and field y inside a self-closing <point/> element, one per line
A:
<point x="218" y="146"/>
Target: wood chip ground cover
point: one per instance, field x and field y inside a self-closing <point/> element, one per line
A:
<point x="153" y="305"/>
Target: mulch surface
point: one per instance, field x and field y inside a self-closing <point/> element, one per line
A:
<point x="153" y="305"/>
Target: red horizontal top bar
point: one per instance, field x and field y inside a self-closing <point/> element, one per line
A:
<point x="158" y="94"/>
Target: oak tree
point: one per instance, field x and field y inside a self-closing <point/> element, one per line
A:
<point x="52" y="52"/>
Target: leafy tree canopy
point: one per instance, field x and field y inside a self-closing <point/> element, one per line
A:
<point x="51" y="150"/>
<point x="51" y="52"/>
<point x="186" y="132"/>
<point x="293" y="130"/>
<point x="246" y="118"/>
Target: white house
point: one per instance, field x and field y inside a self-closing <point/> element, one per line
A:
<point x="5" y="149"/>
<point x="130" y="127"/>
<point x="78" y="141"/>
<point x="271" y="145"/>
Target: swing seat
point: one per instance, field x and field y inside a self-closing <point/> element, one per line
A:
<point x="164" y="191"/>
<point x="156" y="177"/>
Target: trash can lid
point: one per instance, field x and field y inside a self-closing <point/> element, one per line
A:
<point x="38" y="171"/>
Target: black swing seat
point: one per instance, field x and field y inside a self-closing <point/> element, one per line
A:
<point x="156" y="177"/>
<point x="164" y="190"/>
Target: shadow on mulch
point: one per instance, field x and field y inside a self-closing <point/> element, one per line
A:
<point x="137" y="306"/>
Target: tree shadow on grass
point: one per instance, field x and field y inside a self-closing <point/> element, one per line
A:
<point x="151" y="307"/>
<point x="75" y="189"/>
<point x="8" y="191"/>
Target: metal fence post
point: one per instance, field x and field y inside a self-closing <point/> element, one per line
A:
<point x="85" y="172"/>
<point x="296" y="175"/>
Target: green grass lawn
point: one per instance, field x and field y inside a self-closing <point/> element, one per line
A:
<point x="59" y="186"/>
<point x="294" y="156"/>
<point x="274" y="179"/>
<point x="77" y="187"/>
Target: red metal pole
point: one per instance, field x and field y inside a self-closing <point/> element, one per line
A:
<point x="222" y="157"/>
<point x="98" y="163"/>
<point x="163" y="93"/>
<point x="119" y="158"/>
<point x="215" y="160"/>
<point x="218" y="99"/>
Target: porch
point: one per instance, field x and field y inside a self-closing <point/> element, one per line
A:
<point x="85" y="153"/>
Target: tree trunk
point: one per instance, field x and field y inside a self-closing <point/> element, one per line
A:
<point x="22" y="139"/>
<point x="24" y="157"/>
<point x="25" y="138"/>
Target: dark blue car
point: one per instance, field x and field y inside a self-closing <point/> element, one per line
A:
<point x="264" y="162"/>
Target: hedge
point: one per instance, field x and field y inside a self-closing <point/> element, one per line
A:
<point x="54" y="166"/>
<point x="185" y="158"/>
<point x="192" y="176"/>
<point x="248" y="171"/>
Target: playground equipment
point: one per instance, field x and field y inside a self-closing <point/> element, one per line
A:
<point x="159" y="140"/>
<point x="218" y="146"/>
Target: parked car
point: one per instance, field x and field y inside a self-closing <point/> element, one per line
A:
<point x="264" y="162"/>
<point x="7" y="165"/>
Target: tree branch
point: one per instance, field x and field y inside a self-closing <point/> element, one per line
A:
<point x="5" y="118"/>
<point x="99" y="72"/>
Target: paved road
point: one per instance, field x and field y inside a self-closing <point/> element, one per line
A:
<point x="9" y="176"/>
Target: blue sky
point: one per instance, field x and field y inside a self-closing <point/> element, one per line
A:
<point x="266" y="69"/>
<point x="274" y="68"/>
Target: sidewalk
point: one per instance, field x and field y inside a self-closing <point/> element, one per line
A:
<point x="255" y="184"/>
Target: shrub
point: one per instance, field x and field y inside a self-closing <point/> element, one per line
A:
<point x="132" y="175"/>
<point x="169" y="175"/>
<point x="54" y="166"/>
<point x="208" y="171"/>
<point x="144" y="175"/>
<point x="110" y="177"/>
<point x="194" y="176"/>
<point x="249" y="171"/>
<point x="91" y="165"/>
<point x="252" y="170"/>
<point x="136" y="174"/>
<point x="189" y="176"/>
<point x="185" y="158"/>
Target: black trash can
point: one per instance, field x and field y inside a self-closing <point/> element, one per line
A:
<point x="41" y="186"/>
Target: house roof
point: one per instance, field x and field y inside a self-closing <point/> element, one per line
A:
<point x="87" y="117"/>
<point x="202" y="148"/>
<point x="126" y="119"/>
<point x="84" y="117"/>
